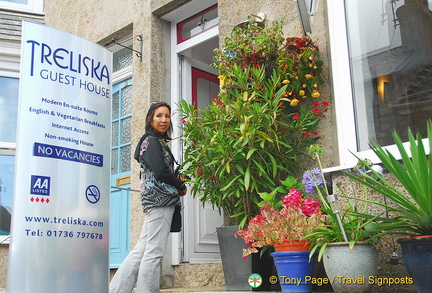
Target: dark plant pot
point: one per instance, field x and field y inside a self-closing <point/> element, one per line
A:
<point x="236" y="269"/>
<point x="417" y="258"/>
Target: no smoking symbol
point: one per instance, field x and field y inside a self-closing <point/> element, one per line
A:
<point x="92" y="194"/>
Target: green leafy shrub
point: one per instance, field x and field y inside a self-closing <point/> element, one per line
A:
<point x="259" y="126"/>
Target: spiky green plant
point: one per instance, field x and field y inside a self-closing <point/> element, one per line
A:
<point x="412" y="207"/>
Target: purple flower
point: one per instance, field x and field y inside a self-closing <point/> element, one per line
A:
<point x="312" y="179"/>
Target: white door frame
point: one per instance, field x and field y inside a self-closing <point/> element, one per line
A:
<point x="178" y="91"/>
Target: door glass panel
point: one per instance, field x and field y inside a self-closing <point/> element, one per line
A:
<point x="127" y="101"/>
<point x="115" y="106"/>
<point x="207" y="90"/>
<point x="121" y="128"/>
<point x="115" y="133"/>
<point x="205" y="87"/>
<point x="127" y="133"/>
<point x="114" y="161"/>
<point x="391" y="63"/>
<point x="125" y="158"/>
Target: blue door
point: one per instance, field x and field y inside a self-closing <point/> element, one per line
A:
<point x="120" y="172"/>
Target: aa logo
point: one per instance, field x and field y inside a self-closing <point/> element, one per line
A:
<point x="40" y="185"/>
<point x="255" y="280"/>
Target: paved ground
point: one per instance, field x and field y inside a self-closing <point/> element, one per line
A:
<point x="204" y="290"/>
<point x="194" y="290"/>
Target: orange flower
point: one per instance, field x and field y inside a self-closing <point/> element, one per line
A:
<point x="294" y="102"/>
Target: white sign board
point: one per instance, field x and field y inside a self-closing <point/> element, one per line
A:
<point x="60" y="220"/>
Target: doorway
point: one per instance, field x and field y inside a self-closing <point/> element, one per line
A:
<point x="194" y="36"/>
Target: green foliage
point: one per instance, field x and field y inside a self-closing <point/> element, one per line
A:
<point x="412" y="208"/>
<point x="252" y="135"/>
<point x="356" y="228"/>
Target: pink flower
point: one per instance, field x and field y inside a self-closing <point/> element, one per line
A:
<point x="295" y="219"/>
<point x="293" y="199"/>
<point x="310" y="207"/>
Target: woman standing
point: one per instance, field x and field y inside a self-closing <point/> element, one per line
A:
<point x="160" y="191"/>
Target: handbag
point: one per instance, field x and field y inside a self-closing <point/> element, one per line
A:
<point x="176" y="223"/>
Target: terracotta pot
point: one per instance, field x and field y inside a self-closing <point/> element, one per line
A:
<point x="292" y="245"/>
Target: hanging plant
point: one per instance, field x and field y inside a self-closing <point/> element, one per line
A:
<point x="260" y="124"/>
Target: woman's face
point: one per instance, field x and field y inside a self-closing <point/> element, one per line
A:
<point x="161" y="119"/>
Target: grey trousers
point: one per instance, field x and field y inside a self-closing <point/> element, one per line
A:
<point x="142" y="265"/>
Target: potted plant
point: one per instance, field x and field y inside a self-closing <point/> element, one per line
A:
<point x="265" y="115"/>
<point x="282" y="223"/>
<point x="256" y="130"/>
<point x="346" y="241"/>
<point x="411" y="207"/>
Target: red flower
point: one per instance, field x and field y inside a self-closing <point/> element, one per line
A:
<point x="315" y="132"/>
<point x="306" y="134"/>
<point x="325" y="103"/>
<point x="293" y="199"/>
<point x="296" y="116"/>
<point x="310" y="207"/>
<point x="316" y="110"/>
<point x="316" y="103"/>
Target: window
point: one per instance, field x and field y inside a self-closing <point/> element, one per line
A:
<point x="8" y="109"/>
<point x="9" y="84"/>
<point x="30" y="6"/>
<point x="382" y="71"/>
<point x="196" y="24"/>
<point x="121" y="127"/>
<point x="8" y="125"/>
<point x="7" y="166"/>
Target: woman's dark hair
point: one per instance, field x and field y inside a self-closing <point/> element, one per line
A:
<point x="150" y="114"/>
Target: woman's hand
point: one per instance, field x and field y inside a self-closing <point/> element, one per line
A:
<point x="183" y="191"/>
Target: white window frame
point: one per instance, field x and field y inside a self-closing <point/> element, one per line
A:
<point x="343" y="92"/>
<point x="33" y="6"/>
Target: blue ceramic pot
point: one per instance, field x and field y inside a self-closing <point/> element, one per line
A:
<point x="294" y="269"/>
<point x="417" y="258"/>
